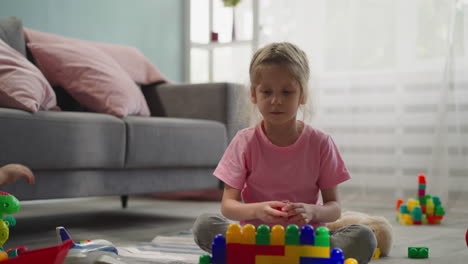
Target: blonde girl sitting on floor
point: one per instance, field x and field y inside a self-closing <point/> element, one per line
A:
<point x="282" y="163"/>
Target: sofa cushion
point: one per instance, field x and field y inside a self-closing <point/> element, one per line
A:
<point x="93" y="78"/>
<point x="61" y="140"/>
<point x="22" y="85"/>
<point x="132" y="60"/>
<point x="11" y="31"/>
<point x="174" y="142"/>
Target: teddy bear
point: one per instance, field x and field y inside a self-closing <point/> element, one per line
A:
<point x="380" y="225"/>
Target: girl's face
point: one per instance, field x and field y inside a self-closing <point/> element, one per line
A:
<point x="277" y="95"/>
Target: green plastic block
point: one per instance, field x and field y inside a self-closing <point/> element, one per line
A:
<point x="418" y="252"/>
<point x="292" y="235"/>
<point x="416" y="214"/>
<point x="204" y="259"/>
<point x="422" y="200"/>
<point x="439" y="210"/>
<point x="436" y="200"/>
<point x="322" y="237"/>
<point x="263" y="235"/>
<point x="404" y="209"/>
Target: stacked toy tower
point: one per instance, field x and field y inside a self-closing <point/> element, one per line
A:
<point x="426" y="209"/>
<point x="249" y="246"/>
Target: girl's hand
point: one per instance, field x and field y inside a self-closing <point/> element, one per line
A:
<point x="301" y="213"/>
<point x="270" y="212"/>
<point x="12" y="172"/>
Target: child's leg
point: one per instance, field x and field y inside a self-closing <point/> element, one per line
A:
<point x="356" y="241"/>
<point x="206" y="227"/>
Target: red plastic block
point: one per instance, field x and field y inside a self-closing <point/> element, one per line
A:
<point x="421" y="179"/>
<point x="270" y="250"/>
<point x="431" y="219"/>
<point x="245" y="254"/>
<point x="240" y="253"/>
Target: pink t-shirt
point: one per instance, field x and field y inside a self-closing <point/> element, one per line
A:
<point x="266" y="172"/>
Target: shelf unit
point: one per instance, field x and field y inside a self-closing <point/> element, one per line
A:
<point x="208" y="60"/>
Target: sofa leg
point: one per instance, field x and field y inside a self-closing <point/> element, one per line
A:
<point x="124" y="200"/>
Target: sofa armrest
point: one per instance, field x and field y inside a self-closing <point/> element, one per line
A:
<point x="211" y="101"/>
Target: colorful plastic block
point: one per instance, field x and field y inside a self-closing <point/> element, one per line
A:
<point x="292" y="235"/>
<point x="322" y="237"/>
<point x="271" y="259"/>
<point x="418" y="252"/>
<point x="233" y="234"/>
<point x="316" y="252"/>
<point x="248" y="234"/>
<point x="336" y="256"/>
<point x="218" y="249"/>
<point x="277" y="235"/>
<point x="271" y="247"/>
<point x="263" y="235"/>
<point x="376" y="253"/>
<point x="204" y="259"/>
<point x="351" y="261"/>
<point x="307" y="236"/>
<point x="426" y="209"/>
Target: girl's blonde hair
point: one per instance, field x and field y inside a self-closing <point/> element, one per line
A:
<point x="286" y="55"/>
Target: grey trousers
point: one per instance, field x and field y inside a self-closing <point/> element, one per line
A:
<point x="356" y="241"/>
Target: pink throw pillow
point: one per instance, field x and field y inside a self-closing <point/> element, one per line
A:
<point x="22" y="85"/>
<point x="132" y="60"/>
<point x="90" y="76"/>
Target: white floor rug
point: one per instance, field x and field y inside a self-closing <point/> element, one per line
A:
<point x="178" y="249"/>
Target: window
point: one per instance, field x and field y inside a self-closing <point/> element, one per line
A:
<point x="222" y="40"/>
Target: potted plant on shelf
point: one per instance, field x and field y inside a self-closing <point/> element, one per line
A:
<point x="232" y="3"/>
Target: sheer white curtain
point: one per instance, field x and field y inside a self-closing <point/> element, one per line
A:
<point x="391" y="86"/>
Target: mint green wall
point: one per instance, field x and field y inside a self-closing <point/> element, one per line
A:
<point x="156" y="27"/>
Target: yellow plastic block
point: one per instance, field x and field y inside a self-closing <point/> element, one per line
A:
<point x="376" y="253"/>
<point x="261" y="259"/>
<point x="233" y="234"/>
<point x="406" y="219"/>
<point x="412" y="203"/>
<point x="315" y="252"/>
<point x="277" y="235"/>
<point x="424" y="219"/>
<point x="248" y="235"/>
<point x="429" y="206"/>
<point x="351" y="261"/>
<point x="293" y="252"/>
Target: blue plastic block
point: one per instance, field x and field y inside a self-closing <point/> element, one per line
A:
<point x="218" y="249"/>
<point x="307" y="235"/>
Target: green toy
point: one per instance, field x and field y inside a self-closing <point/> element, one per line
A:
<point x="263" y="235"/>
<point x="8" y="205"/>
<point x="418" y="252"/>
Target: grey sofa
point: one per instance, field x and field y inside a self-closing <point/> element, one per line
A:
<point x="79" y="154"/>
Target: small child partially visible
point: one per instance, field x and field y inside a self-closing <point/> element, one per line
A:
<point x="12" y="172"/>
<point x="274" y="172"/>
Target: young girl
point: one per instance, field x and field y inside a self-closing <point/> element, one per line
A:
<point x="273" y="172"/>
